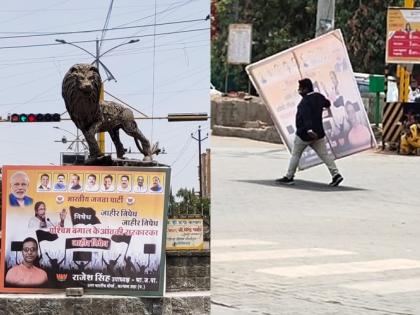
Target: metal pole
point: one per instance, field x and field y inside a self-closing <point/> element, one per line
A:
<point x="199" y="162"/>
<point x="226" y="78"/>
<point x="324" y="17"/>
<point x="77" y="143"/>
<point x="409" y="3"/>
<point x="199" y="139"/>
<point x="377" y="112"/>
<point x="101" y="135"/>
<point x="97" y="54"/>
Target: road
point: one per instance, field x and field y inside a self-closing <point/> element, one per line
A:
<point x="310" y="248"/>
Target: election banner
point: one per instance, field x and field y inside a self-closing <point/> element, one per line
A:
<point x="101" y="228"/>
<point x="185" y="234"/>
<point x="403" y="35"/>
<point x="325" y="61"/>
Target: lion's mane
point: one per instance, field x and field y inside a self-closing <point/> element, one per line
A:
<point x="80" y="90"/>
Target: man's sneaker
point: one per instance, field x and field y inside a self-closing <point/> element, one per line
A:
<point x="285" y="180"/>
<point x="336" y="180"/>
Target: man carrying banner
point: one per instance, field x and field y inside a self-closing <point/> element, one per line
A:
<point x="27" y="274"/>
<point x="310" y="132"/>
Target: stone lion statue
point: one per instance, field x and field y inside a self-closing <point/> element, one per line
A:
<point x="81" y="88"/>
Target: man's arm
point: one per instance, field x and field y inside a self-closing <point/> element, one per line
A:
<point x="326" y="102"/>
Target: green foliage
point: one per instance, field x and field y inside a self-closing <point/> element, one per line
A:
<point x="273" y="30"/>
<point x="364" y="30"/>
<point x="188" y="203"/>
<point x="279" y="25"/>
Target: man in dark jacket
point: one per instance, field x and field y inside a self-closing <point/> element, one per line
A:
<point x="310" y="132"/>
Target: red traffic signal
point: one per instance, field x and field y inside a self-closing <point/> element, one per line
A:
<point x="35" y="117"/>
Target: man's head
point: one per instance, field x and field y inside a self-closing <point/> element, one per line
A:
<point x="92" y="179"/>
<point x="29" y="251"/>
<point x="305" y="86"/>
<point x="155" y="181"/>
<point x="124" y="181"/>
<point x="61" y="178"/>
<point x="40" y="209"/>
<point x="75" y="179"/>
<point x="19" y="184"/>
<point x="107" y="181"/>
<point x="140" y="181"/>
<point x="45" y="178"/>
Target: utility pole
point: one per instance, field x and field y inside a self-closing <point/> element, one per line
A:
<point x="199" y="139"/>
<point x="101" y="135"/>
<point x="324" y="17"/>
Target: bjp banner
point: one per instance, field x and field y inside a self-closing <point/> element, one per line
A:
<point x="325" y="61"/>
<point x="101" y="228"/>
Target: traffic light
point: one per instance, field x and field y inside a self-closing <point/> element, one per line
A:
<point x="35" y="117"/>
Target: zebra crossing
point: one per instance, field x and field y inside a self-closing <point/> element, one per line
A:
<point x="230" y="251"/>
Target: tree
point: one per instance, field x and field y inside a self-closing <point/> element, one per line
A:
<point x="364" y="30"/>
<point x="273" y="31"/>
<point x="188" y="202"/>
<point x="279" y="25"/>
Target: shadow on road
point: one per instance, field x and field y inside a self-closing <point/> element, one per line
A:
<point x="303" y="185"/>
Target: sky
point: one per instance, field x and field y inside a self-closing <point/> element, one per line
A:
<point x="161" y="74"/>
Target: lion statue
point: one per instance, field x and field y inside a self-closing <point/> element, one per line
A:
<point x="81" y="88"/>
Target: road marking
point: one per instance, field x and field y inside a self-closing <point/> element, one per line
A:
<point x="342" y="268"/>
<point x="238" y="242"/>
<point x="387" y="287"/>
<point x="276" y="254"/>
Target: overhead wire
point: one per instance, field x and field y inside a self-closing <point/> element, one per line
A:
<point x="182" y="150"/>
<point x="121" y="52"/>
<point x="107" y="39"/>
<point x="185" y="166"/>
<point x="153" y="71"/>
<point x="104" y="29"/>
<point x="101" y="30"/>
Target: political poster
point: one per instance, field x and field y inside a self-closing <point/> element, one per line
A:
<point x="101" y="228"/>
<point x="325" y="61"/>
<point x="403" y="35"/>
<point x="185" y="234"/>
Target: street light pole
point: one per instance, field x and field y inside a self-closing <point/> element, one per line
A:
<point x="77" y="140"/>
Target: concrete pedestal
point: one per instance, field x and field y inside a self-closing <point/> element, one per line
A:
<point x="185" y="303"/>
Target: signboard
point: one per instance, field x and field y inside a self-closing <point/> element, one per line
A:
<point x="239" y="43"/>
<point x="403" y="36"/>
<point x="325" y="61"/>
<point x="185" y="234"/>
<point x="101" y="228"/>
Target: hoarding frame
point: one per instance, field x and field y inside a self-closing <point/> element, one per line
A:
<point x="8" y="169"/>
